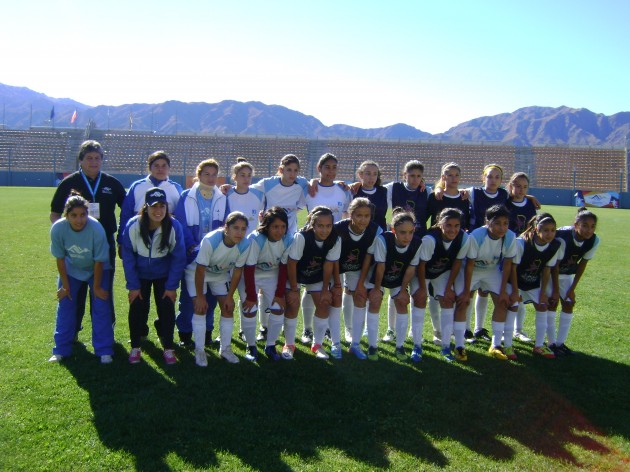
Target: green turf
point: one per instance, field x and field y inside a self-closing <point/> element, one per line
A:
<point x="533" y="414"/>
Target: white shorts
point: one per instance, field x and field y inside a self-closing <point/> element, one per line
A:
<point x="486" y="280"/>
<point x="217" y="287"/>
<point x="438" y="284"/>
<point x="351" y="279"/>
<point x="315" y="287"/>
<point x="564" y="281"/>
<point x="530" y="296"/>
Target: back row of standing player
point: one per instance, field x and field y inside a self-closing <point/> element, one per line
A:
<point x="202" y="209"/>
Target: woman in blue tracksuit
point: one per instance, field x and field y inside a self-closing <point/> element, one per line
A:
<point x="201" y="209"/>
<point x="153" y="256"/>
<point x="79" y="243"/>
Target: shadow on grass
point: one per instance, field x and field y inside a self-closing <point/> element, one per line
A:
<point x="262" y="412"/>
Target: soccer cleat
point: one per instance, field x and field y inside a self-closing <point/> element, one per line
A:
<point x="565" y="350"/>
<point x="372" y="353"/>
<point x="106" y="359"/>
<point x="135" y="355"/>
<point x="509" y="352"/>
<point x="460" y="354"/>
<point x="251" y="353"/>
<point x="169" y="357"/>
<point x="335" y="351"/>
<point x="522" y="337"/>
<point x="348" y="335"/>
<point x="288" y="352"/>
<point x="447" y="354"/>
<point x="389" y="336"/>
<point x="55" y="358"/>
<point x="416" y="353"/>
<point x="271" y="353"/>
<point x="241" y="336"/>
<point x="401" y="355"/>
<point x="497" y="353"/>
<point x="319" y="351"/>
<point x="327" y="335"/>
<point x="468" y="334"/>
<point x="437" y="338"/>
<point x="229" y="356"/>
<point x="307" y="336"/>
<point x="201" y="358"/>
<point x="544" y="351"/>
<point x="262" y="334"/>
<point x="185" y="341"/>
<point x="355" y="349"/>
<point x="483" y="335"/>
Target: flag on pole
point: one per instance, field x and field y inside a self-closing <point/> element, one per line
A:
<point x="74" y="117"/>
<point x="52" y="113"/>
<point x="130" y="120"/>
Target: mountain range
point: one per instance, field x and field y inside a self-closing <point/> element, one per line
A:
<point x="530" y="126"/>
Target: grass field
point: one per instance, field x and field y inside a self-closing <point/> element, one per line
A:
<point x="532" y="414"/>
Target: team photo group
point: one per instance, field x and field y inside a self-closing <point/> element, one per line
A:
<point x="213" y="252"/>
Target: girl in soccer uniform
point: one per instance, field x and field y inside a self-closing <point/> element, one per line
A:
<point x="369" y="175"/>
<point x="201" y="209"/>
<point x="242" y="197"/>
<point x="448" y="186"/>
<point x="521" y="211"/>
<point x="443" y="248"/>
<point x="222" y="252"/>
<point x="265" y="272"/>
<point x="579" y="243"/>
<point x="358" y="235"/>
<point x="489" y="268"/>
<point x="411" y="195"/>
<point x="310" y="262"/>
<point x="396" y="256"/>
<point x="79" y="244"/>
<point x="537" y="251"/>
<point x="154" y="256"/>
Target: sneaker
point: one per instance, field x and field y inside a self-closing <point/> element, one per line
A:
<point x="437" y="338"/>
<point x="169" y="357"/>
<point x="389" y="336"/>
<point x="372" y="353"/>
<point x="241" y="336"/>
<point x="565" y="350"/>
<point x="262" y="334"/>
<point x="106" y="359"/>
<point x="348" y="335"/>
<point x="134" y="355"/>
<point x="522" y="337"/>
<point x="509" y="352"/>
<point x="307" y="336"/>
<point x="251" y="353"/>
<point x="416" y="353"/>
<point x="55" y="358"/>
<point x="185" y="341"/>
<point x="483" y="335"/>
<point x="468" y="334"/>
<point x="327" y="335"/>
<point x="497" y="353"/>
<point x="319" y="351"/>
<point x="401" y="355"/>
<point x="544" y="351"/>
<point x="357" y="351"/>
<point x="208" y="342"/>
<point x="460" y="354"/>
<point x="229" y="356"/>
<point x="447" y="354"/>
<point x="335" y="351"/>
<point x="288" y="352"/>
<point x="271" y="353"/>
<point x="201" y="358"/>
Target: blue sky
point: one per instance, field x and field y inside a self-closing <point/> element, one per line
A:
<point x="370" y="64"/>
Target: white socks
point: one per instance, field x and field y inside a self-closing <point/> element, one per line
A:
<point x="459" y="328"/>
<point x="497" y="332"/>
<point x="334" y="324"/>
<point x="319" y="329"/>
<point x="481" y="307"/>
<point x="541" y="328"/>
<point x="468" y="316"/>
<point x="308" y="310"/>
<point x="226" y="325"/>
<point x="417" y="324"/>
<point x="402" y="325"/>
<point x="199" y="331"/>
<point x="508" y="330"/>
<point x="358" y="322"/>
<point x="372" y="326"/>
<point x="434" y="312"/>
<point x="551" y="327"/>
<point x="274" y="326"/>
<point x="391" y="314"/>
<point x="520" y="317"/>
<point x="248" y="326"/>
<point x="348" y="311"/>
<point x="290" y="327"/>
<point x="563" y="327"/>
<point x="446" y="325"/>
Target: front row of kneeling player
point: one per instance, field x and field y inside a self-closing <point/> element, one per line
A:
<point x="446" y="263"/>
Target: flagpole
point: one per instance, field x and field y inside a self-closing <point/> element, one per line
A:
<point x="30" y="120"/>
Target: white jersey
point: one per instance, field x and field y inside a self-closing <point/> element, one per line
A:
<point x="267" y="255"/>
<point x="488" y="252"/>
<point x="331" y="196"/>
<point x="292" y="198"/>
<point x="218" y="258"/>
<point x="250" y="203"/>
